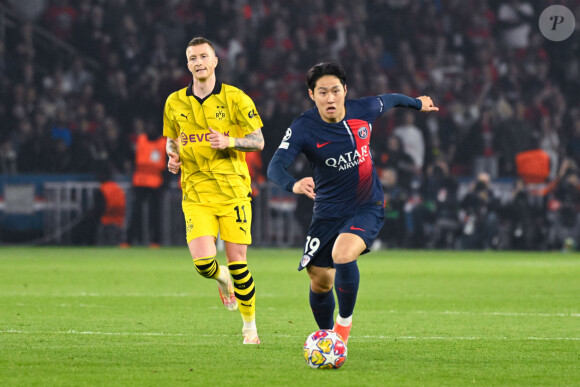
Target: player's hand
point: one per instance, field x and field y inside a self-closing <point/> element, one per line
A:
<point x="305" y="186"/>
<point x="428" y="105"/>
<point x="173" y="164"/>
<point x="218" y="140"/>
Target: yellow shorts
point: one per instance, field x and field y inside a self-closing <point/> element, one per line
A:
<point x="232" y="221"/>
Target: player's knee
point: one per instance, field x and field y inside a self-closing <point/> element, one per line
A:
<point x="342" y="260"/>
<point x="321" y="279"/>
<point x="320" y="286"/>
<point x="235" y="252"/>
<point x="347" y="248"/>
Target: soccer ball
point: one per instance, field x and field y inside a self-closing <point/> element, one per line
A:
<point x="325" y="349"/>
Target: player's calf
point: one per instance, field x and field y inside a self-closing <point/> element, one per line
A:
<point x="246" y="295"/>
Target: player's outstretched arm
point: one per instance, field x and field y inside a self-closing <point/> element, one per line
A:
<point x="172" y="150"/>
<point x="428" y="105"/>
<point x="251" y="142"/>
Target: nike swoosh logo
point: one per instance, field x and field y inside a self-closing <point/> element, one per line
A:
<point x="356" y="228"/>
<point x="319" y="145"/>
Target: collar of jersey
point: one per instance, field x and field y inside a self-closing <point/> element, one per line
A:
<point x="216" y="90"/>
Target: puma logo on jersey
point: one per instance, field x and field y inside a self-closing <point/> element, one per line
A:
<point x="243" y="230"/>
<point x="185" y="116"/>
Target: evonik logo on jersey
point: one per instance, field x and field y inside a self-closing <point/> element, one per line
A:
<point x="349" y="159"/>
<point x="197" y="137"/>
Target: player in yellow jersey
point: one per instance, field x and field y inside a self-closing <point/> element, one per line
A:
<point x="209" y="126"/>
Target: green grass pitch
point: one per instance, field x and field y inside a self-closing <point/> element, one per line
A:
<point x="140" y="317"/>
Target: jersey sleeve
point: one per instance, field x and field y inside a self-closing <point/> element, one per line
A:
<point x="170" y="129"/>
<point x="369" y="108"/>
<point x="247" y="114"/>
<point x="288" y="150"/>
<point x="373" y="107"/>
<point x="278" y="172"/>
<point x="399" y="100"/>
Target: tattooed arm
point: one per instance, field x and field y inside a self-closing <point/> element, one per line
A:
<point x="251" y="142"/>
<point x="172" y="150"/>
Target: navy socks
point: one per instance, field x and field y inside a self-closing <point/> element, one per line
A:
<point x="346" y="284"/>
<point x="322" y="305"/>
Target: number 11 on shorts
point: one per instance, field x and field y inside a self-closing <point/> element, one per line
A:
<point x="243" y="211"/>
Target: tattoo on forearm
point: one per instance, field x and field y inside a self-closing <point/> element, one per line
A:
<point x="252" y="142"/>
<point x="171" y="146"/>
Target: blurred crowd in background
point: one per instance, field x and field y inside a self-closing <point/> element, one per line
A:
<point x="502" y="89"/>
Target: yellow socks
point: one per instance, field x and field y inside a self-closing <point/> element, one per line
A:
<point x="207" y="267"/>
<point x="244" y="289"/>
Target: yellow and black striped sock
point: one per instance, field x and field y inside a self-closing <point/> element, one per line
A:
<point x="244" y="289"/>
<point x="207" y="267"/>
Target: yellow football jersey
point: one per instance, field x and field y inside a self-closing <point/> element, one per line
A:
<point x="211" y="175"/>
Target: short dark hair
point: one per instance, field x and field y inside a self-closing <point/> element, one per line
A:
<point x="198" y="40"/>
<point x="322" y="69"/>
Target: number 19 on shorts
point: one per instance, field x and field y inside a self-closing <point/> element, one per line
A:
<point x="312" y="245"/>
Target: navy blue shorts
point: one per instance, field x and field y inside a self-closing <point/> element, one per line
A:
<point x="366" y="223"/>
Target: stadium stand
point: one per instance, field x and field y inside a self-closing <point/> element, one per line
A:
<point x="77" y="77"/>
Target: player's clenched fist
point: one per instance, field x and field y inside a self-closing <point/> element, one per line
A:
<point x="218" y="140"/>
<point x="173" y="164"/>
<point x="304" y="186"/>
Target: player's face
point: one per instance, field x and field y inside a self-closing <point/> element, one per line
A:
<point x="201" y="61"/>
<point x="329" y="95"/>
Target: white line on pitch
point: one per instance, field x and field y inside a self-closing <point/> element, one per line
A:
<point x="525" y="314"/>
<point x="467" y="338"/>
<point x="364" y="337"/>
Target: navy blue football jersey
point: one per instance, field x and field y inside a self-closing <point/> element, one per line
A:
<point x="339" y="154"/>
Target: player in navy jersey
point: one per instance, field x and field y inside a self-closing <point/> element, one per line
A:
<point x="348" y="196"/>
